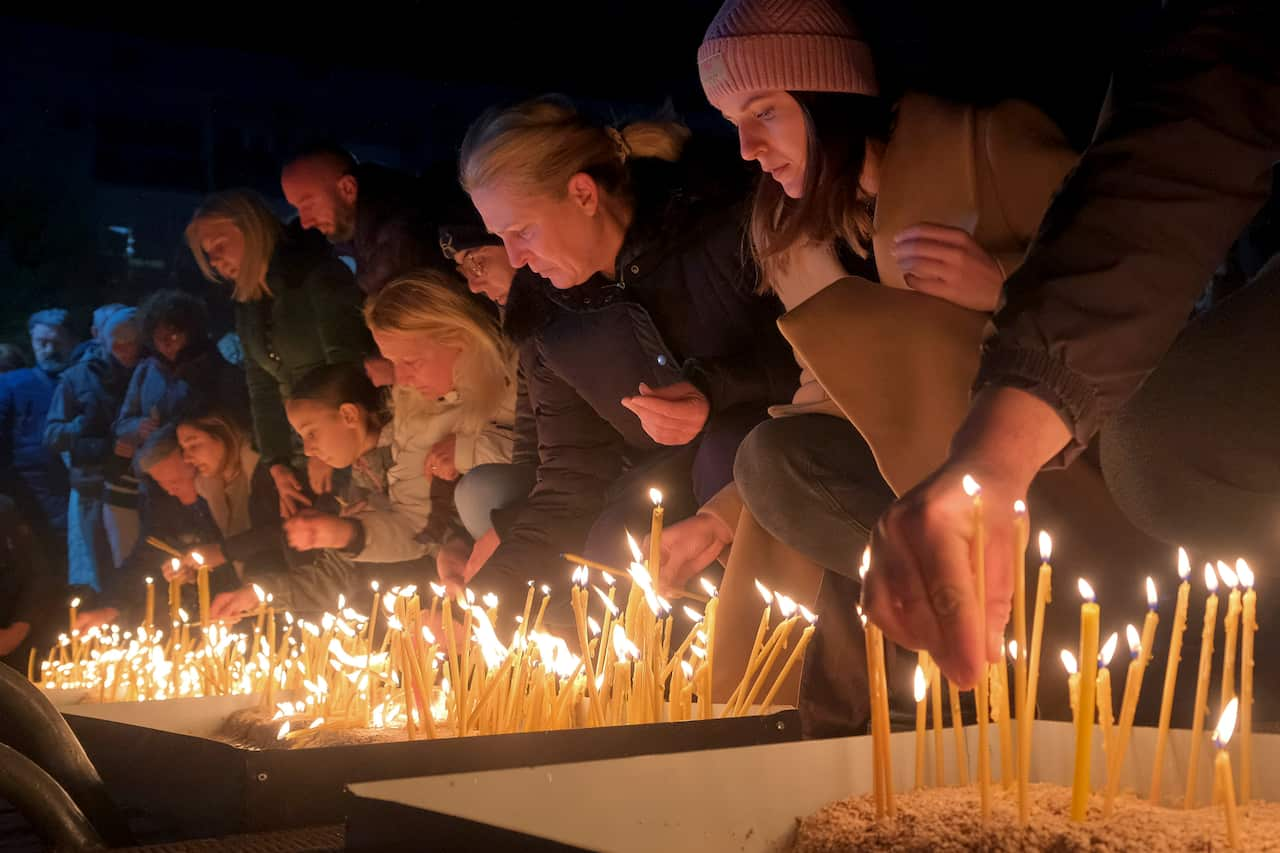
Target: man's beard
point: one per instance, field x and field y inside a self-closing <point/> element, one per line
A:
<point x="344" y="226"/>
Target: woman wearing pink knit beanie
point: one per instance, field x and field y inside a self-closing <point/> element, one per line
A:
<point x="887" y="229"/>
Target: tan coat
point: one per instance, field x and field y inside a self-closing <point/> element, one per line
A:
<point x="906" y="383"/>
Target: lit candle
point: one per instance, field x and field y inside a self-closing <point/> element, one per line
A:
<point x="877" y="775"/>
<point x="978" y="556"/>
<point x="1177" y="629"/>
<point x="921" y="693"/>
<point x="1138" y="657"/>
<point x="175" y="589"/>
<point x="1202" y="682"/>
<point x="75" y="606"/>
<point x="1073" y="682"/>
<point x="150" y="619"/>
<point x="1222" y="772"/>
<point x="1021" y="533"/>
<point x="1232" y="629"/>
<point x="655" y="533"/>
<point x="797" y="655"/>
<point x="1246" y="680"/>
<point x="202" y="586"/>
<point x="1106" y="708"/>
<point x="1043" y="593"/>
<point x="1089" y="616"/>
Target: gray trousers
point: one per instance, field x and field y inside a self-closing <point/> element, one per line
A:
<point x="1193" y="457"/>
<point x="812" y="483"/>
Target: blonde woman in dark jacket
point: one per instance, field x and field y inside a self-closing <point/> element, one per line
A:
<point x="297" y="307"/>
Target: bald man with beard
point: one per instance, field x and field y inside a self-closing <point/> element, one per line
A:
<point x="380" y="213"/>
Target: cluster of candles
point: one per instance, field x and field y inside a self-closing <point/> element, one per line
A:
<point x="468" y="682"/>
<point x="1089" y="682"/>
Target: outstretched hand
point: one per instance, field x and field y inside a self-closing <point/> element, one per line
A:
<point x="673" y="415"/>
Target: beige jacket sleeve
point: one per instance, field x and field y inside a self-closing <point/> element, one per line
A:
<point x="394" y="520"/>
<point x="493" y="444"/>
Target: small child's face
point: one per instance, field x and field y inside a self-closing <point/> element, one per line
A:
<point x="334" y="436"/>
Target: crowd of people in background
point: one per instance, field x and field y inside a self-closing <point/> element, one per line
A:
<point x="461" y="396"/>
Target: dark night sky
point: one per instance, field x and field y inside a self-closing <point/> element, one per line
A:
<point x="125" y="118"/>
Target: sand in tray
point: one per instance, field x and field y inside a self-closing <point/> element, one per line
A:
<point x="947" y="820"/>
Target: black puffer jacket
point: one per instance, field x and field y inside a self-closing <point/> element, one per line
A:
<point x="683" y="305"/>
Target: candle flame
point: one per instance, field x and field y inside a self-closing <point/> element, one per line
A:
<point x="1226" y="724"/>
<point x="1013" y="649"/>
<point x="1046" y="545"/>
<point x="764" y="593"/>
<point x="594" y="626"/>
<point x="708" y="587"/>
<point x="1069" y="662"/>
<point x="1109" y="649"/>
<point x="1228" y="576"/>
<point x="316" y="723"/>
<point x="490" y="600"/>
<point x="580" y="576"/>
<point x="609" y="605"/>
<point x="1135" y="641"/>
<point x="636" y="553"/>
<point x="809" y="615"/>
<point x="427" y="635"/>
<point x="75" y="602"/>
<point x="342" y="602"/>
<point x="1210" y="579"/>
<point x="175" y="564"/>
<point x="546" y="590"/>
<point x="971" y="487"/>
<point x="284" y="730"/>
<point x="609" y="580"/>
<point x="656" y="497"/>
<point x="786" y="606"/>
<point x="1184" y="564"/>
<point x="149" y="581"/>
<point x="699" y="652"/>
<point x="198" y="558"/>
<point x="694" y="616"/>
<point x="1152" y="599"/>
<point x="438" y="590"/>
<point x="373" y="585"/>
<point x="866" y="563"/>
<point x="1245" y="573"/>
<point x="182" y="614"/>
<point x="1019" y="506"/>
<point x="687" y="668"/>
<point x="260" y="593"/>
<point x="1086" y="591"/>
<point x="470" y="596"/>
<point x="921" y="684"/>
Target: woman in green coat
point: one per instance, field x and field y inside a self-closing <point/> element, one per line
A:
<point x="297" y="308"/>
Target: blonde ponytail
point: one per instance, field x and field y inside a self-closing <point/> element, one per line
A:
<point x="534" y="148"/>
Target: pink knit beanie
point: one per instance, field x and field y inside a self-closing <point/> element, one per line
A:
<point x="796" y="45"/>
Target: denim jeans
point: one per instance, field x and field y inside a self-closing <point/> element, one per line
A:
<point x="811" y="481"/>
